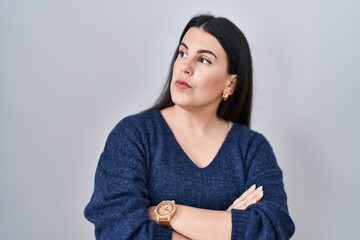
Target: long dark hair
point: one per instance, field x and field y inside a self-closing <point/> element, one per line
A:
<point x="237" y="108"/>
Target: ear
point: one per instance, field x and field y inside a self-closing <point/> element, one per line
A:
<point x="231" y="83"/>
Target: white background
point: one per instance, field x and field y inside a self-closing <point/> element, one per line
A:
<point x="70" y="70"/>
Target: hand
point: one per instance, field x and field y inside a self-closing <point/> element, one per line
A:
<point x="250" y="196"/>
<point x="151" y="213"/>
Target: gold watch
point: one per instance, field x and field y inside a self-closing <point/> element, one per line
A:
<point x="164" y="212"/>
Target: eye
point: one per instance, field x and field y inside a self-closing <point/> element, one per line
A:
<point x="204" y="60"/>
<point x="182" y="54"/>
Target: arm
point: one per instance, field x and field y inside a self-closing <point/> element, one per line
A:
<point x="197" y="223"/>
<point x="118" y="207"/>
<point x="178" y="236"/>
<point x="268" y="219"/>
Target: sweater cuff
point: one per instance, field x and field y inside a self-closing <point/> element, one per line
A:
<point x="161" y="232"/>
<point x="240" y="221"/>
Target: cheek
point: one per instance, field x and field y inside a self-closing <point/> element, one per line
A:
<point x="174" y="72"/>
<point x="210" y="89"/>
<point x="215" y="82"/>
<point x="176" y="65"/>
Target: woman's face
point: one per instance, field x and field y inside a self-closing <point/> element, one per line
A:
<point x="200" y="72"/>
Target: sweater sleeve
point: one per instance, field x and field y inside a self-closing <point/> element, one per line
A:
<point x="269" y="218"/>
<point x="118" y="206"/>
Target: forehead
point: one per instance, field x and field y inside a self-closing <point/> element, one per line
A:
<point x="197" y="39"/>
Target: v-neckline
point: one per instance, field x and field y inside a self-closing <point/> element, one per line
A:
<point x="189" y="160"/>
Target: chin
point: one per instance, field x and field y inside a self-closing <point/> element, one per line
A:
<point x="181" y="102"/>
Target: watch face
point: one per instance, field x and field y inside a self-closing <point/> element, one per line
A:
<point x="165" y="208"/>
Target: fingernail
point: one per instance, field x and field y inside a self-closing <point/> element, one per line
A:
<point x="253" y="186"/>
<point x="260" y="188"/>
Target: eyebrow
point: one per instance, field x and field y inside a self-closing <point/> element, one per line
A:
<point x="199" y="51"/>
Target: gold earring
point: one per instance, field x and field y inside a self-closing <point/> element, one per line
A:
<point x="225" y="96"/>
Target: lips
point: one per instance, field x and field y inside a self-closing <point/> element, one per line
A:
<point x="182" y="84"/>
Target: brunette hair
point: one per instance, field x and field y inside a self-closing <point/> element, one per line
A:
<point x="237" y="108"/>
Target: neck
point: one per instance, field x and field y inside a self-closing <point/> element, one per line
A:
<point x="196" y="121"/>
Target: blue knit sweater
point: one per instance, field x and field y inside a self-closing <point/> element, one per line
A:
<point x="143" y="164"/>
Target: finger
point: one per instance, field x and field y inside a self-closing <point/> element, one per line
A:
<point x="251" y="199"/>
<point x="259" y="196"/>
<point x="255" y="196"/>
<point x="248" y="195"/>
<point x="245" y="194"/>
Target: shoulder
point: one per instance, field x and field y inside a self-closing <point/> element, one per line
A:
<point x="136" y="126"/>
<point x="247" y="135"/>
<point x="139" y="121"/>
<point x="146" y="117"/>
<point x="255" y="147"/>
<point x="250" y="142"/>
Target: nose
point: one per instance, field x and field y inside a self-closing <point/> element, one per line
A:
<point x="186" y="67"/>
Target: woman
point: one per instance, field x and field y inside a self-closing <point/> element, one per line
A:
<point x="190" y="167"/>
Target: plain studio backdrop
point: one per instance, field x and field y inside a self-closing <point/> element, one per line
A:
<point x="70" y="70"/>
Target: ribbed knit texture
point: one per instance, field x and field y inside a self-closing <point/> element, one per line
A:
<point x="143" y="164"/>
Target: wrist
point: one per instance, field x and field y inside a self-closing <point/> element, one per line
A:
<point x="165" y="211"/>
<point x="176" y="219"/>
